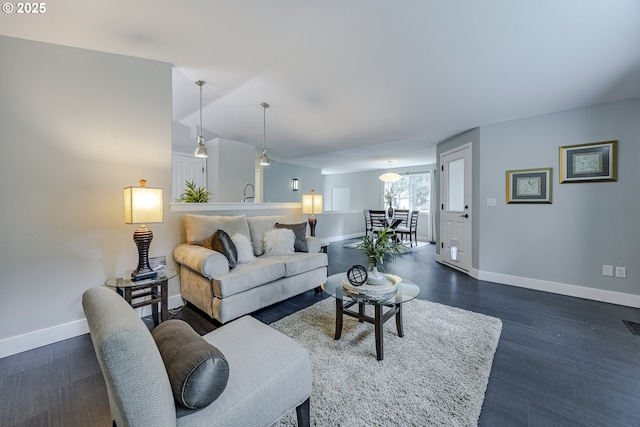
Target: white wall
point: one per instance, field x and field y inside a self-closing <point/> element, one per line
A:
<point x="76" y="127"/>
<point x="563" y="245"/>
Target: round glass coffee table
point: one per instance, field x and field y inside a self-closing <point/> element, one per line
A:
<point x="407" y="290"/>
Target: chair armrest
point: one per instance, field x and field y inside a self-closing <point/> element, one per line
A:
<point x="313" y="244"/>
<point x="205" y="261"/>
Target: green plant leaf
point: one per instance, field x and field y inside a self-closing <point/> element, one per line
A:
<point x="194" y="194"/>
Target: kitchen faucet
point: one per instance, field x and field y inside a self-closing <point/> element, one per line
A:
<point x="244" y="193"/>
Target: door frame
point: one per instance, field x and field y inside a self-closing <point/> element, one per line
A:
<point x="469" y="201"/>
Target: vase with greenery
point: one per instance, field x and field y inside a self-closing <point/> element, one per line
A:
<point x="379" y="248"/>
<point x="194" y="194"/>
<point x="389" y="196"/>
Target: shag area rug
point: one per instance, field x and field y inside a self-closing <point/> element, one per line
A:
<point x="436" y="375"/>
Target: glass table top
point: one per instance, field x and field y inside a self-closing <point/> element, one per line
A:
<point x="407" y="290"/>
<point x="125" y="281"/>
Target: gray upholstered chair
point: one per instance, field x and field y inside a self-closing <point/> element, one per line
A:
<point x="268" y="373"/>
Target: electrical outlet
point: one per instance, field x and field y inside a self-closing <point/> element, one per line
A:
<point x="607" y="270"/>
<point x="621" y="272"/>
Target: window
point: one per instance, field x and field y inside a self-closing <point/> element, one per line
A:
<point x="412" y="191"/>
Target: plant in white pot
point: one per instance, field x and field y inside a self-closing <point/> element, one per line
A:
<point x="379" y="248"/>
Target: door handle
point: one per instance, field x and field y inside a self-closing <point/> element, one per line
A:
<point x="464" y="216"/>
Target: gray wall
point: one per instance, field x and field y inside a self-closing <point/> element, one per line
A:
<point x="230" y="165"/>
<point x="76" y="127"/>
<point x="587" y="225"/>
<point x="278" y="182"/>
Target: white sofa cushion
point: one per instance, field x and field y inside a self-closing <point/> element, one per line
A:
<point x="200" y="228"/>
<point x="257" y="227"/>
<point x="260" y="271"/>
<point x="301" y="262"/>
<point x="279" y="241"/>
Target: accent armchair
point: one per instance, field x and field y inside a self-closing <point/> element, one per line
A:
<point x="269" y="374"/>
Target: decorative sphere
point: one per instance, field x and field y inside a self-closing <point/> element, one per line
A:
<point x="357" y="275"/>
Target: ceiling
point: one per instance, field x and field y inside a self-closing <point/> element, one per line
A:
<point x="355" y="84"/>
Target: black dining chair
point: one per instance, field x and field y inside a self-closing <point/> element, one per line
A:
<point x="368" y="227"/>
<point x="378" y="220"/>
<point x="411" y="230"/>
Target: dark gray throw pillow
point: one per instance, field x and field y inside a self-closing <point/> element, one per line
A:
<point x="300" y="230"/>
<point x="222" y="243"/>
<point x="198" y="371"/>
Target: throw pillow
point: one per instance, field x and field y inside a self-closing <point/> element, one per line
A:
<point x="198" y="372"/>
<point x="243" y="247"/>
<point x="278" y="241"/>
<point x="222" y="243"/>
<point x="258" y="225"/>
<point x="300" y="230"/>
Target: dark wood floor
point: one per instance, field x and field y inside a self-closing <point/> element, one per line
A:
<point x="561" y="361"/>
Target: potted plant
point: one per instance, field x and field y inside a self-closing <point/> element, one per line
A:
<point x="378" y="249"/>
<point x="194" y="194"/>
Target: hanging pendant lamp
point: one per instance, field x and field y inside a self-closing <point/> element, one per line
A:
<point x="389" y="176"/>
<point x="201" y="150"/>
<point x="264" y="160"/>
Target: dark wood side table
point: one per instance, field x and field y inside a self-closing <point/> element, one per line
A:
<point x="157" y="289"/>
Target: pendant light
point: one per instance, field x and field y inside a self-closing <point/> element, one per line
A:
<point x="389" y="176"/>
<point x="264" y="160"/>
<point x="201" y="150"/>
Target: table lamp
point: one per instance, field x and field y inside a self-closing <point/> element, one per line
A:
<point x="143" y="205"/>
<point x="312" y="204"/>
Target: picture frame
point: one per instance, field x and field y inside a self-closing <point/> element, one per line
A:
<point x="597" y="161"/>
<point x="529" y="185"/>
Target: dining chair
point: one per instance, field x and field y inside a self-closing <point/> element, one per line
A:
<point x="411" y="230"/>
<point x="378" y="220"/>
<point x="402" y="214"/>
<point x="368" y="227"/>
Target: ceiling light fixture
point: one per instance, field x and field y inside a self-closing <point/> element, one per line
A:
<point x="389" y="176"/>
<point x="264" y="160"/>
<point x="201" y="150"/>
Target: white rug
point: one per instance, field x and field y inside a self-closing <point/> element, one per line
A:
<point x="436" y="375"/>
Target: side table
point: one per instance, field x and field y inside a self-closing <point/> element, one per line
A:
<point x="157" y="289"/>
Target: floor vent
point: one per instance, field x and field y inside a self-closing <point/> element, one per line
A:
<point x="634" y="327"/>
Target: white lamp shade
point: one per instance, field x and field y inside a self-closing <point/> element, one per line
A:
<point x="389" y="177"/>
<point x="312" y="204"/>
<point x="143" y="205"/>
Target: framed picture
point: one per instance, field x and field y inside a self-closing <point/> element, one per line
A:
<point x="589" y="162"/>
<point x="529" y="186"/>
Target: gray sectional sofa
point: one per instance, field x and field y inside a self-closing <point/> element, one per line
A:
<point x="208" y="281"/>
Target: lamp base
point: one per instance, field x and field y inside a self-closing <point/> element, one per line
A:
<point x="142" y="238"/>
<point x="312" y="224"/>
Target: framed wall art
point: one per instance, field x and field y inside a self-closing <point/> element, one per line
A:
<point x="529" y="186"/>
<point x="589" y="162"/>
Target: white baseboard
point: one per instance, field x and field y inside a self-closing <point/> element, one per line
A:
<point x="594" y="294"/>
<point x="601" y="295"/>
<point x="30" y="340"/>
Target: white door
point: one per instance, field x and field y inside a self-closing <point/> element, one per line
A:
<point x="187" y="168"/>
<point x="455" y="207"/>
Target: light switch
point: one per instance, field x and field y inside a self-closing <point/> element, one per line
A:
<point x="491" y="202"/>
